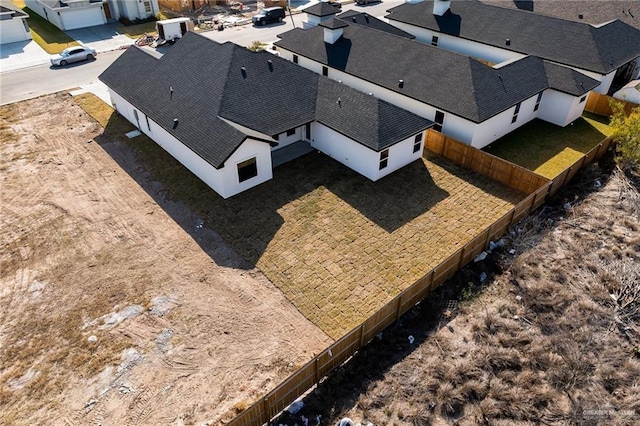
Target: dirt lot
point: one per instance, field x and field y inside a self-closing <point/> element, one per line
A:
<point x="118" y="306"/>
<point x="551" y="337"/>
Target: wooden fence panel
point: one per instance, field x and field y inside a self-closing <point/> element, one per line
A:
<point x="336" y="354"/>
<point x="380" y="320"/>
<point x="416" y="292"/>
<point x="474" y="247"/>
<point x="523" y="208"/>
<point x="599" y="104"/>
<point x="289" y="390"/>
<point x="252" y="416"/>
<point x="446" y="269"/>
<point x="501" y="226"/>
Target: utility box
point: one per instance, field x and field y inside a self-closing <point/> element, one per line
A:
<point x="173" y="29"/>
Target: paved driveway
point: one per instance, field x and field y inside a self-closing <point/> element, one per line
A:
<point x="21" y="54"/>
<point x="103" y="38"/>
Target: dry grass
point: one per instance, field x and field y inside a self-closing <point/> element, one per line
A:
<point x="553" y="337"/>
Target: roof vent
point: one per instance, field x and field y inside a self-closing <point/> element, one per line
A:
<point x="353" y="18"/>
<point x="175" y="123"/>
<point x="339" y="102"/>
<point x="508" y="42"/>
<point x="500" y="76"/>
<point x="243" y="70"/>
<point x="580" y="16"/>
<point x="170" y="92"/>
<point x="401" y="83"/>
<point x="366" y="18"/>
<point x="270" y="65"/>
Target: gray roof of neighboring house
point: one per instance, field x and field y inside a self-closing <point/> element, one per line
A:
<point x="448" y="81"/>
<point x="203" y="83"/>
<point x="361" y="18"/>
<point x="322" y="9"/>
<point x="599" y="49"/>
<point x="7" y="6"/>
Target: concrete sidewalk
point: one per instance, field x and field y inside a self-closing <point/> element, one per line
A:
<point x="22" y="54"/>
<point x="103" y="38"/>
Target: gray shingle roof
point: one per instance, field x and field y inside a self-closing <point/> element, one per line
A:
<point x="578" y="44"/>
<point x="322" y="9"/>
<point x="203" y="83"/>
<point x="448" y="81"/>
<point x="361" y="18"/>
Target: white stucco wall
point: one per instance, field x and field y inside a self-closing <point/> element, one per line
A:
<point x="360" y="158"/>
<point x="560" y="108"/>
<point x="605" y="80"/>
<point x="45" y="11"/>
<point x="284" y="140"/>
<point x="224" y="181"/>
<point x="454" y="126"/>
<point x="459" y="45"/>
<point x="500" y="125"/>
<point x="13" y="30"/>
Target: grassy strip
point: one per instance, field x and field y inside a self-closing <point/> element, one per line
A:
<point x="136" y="31"/>
<point x="48" y="36"/>
<point x="548" y="149"/>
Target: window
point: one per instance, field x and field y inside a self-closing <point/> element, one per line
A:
<point x="515" y="113"/>
<point x="295" y="59"/>
<point x="384" y="158"/>
<point x="325" y="71"/>
<point x="291" y="132"/>
<point x="276" y="137"/>
<point x="247" y="169"/>
<point x="584" y="98"/>
<point x="417" y="143"/>
<point x="538" y="102"/>
<point x="434" y="40"/>
<point x="439" y="121"/>
<point x="147" y="6"/>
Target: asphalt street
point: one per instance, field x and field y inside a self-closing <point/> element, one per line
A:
<point x="26" y="83"/>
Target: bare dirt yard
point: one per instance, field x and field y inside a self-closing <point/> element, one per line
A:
<point x="552" y="335"/>
<point x="119" y="306"/>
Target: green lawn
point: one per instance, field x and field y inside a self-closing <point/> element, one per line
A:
<point x="48" y="36"/>
<point x="548" y="149"/>
<point x="135" y="31"/>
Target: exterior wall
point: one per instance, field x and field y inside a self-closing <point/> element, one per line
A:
<point x="500" y="125"/>
<point x="605" y="80"/>
<point x="560" y="108"/>
<point x="14" y="30"/>
<point x="82" y="17"/>
<point x="453" y="126"/>
<point x="284" y="140"/>
<point x="311" y="21"/>
<point x="77" y="15"/>
<point x="224" y="181"/>
<point x="360" y="158"/>
<point x="133" y="10"/>
<point x="460" y="45"/>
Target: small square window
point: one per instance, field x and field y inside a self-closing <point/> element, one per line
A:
<point x="291" y="132"/>
<point x="584" y="98"/>
<point x="247" y="169"/>
<point x="384" y="159"/>
<point x="434" y="40"/>
<point x="295" y="59"/>
<point x="325" y="71"/>
<point x="417" y="143"/>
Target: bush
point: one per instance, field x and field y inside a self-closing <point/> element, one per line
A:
<point x="626" y="133"/>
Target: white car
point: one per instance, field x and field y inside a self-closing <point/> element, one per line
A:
<point x="73" y="54"/>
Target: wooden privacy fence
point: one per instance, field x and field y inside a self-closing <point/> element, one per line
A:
<point x="599" y="104"/>
<point x="339" y="352"/>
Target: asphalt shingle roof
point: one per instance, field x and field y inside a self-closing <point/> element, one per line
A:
<point x="361" y="18"/>
<point x="448" y="81"/>
<point x="202" y="84"/>
<point x="599" y="49"/>
<point x="322" y="9"/>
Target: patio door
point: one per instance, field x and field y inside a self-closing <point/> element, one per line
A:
<point x="107" y="11"/>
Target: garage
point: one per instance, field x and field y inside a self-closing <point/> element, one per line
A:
<point x="14" y="26"/>
<point x="81" y="18"/>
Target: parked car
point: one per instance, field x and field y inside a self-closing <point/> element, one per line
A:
<point x="361" y="2"/>
<point x="73" y="54"/>
<point x="268" y="15"/>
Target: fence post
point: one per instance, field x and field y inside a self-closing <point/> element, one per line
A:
<point x="361" y="336"/>
<point x="464" y="248"/>
<point x="267" y="416"/>
<point x="398" y="313"/>
<point x="317" y="376"/>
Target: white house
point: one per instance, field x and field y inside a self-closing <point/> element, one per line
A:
<point x="608" y="52"/>
<point x="630" y="92"/>
<point x="319" y="12"/>
<point x="13" y="24"/>
<point x="233" y="119"/>
<point x="467" y="99"/>
<point x="74" y="14"/>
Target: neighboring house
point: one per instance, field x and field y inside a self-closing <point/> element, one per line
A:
<point x="13" y="24"/>
<point x="231" y="115"/>
<point x="467" y="99"/>
<point x="608" y="52"/>
<point x="630" y="92"/>
<point x="74" y="14"/>
<point x="319" y="12"/>
<point x="186" y="5"/>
